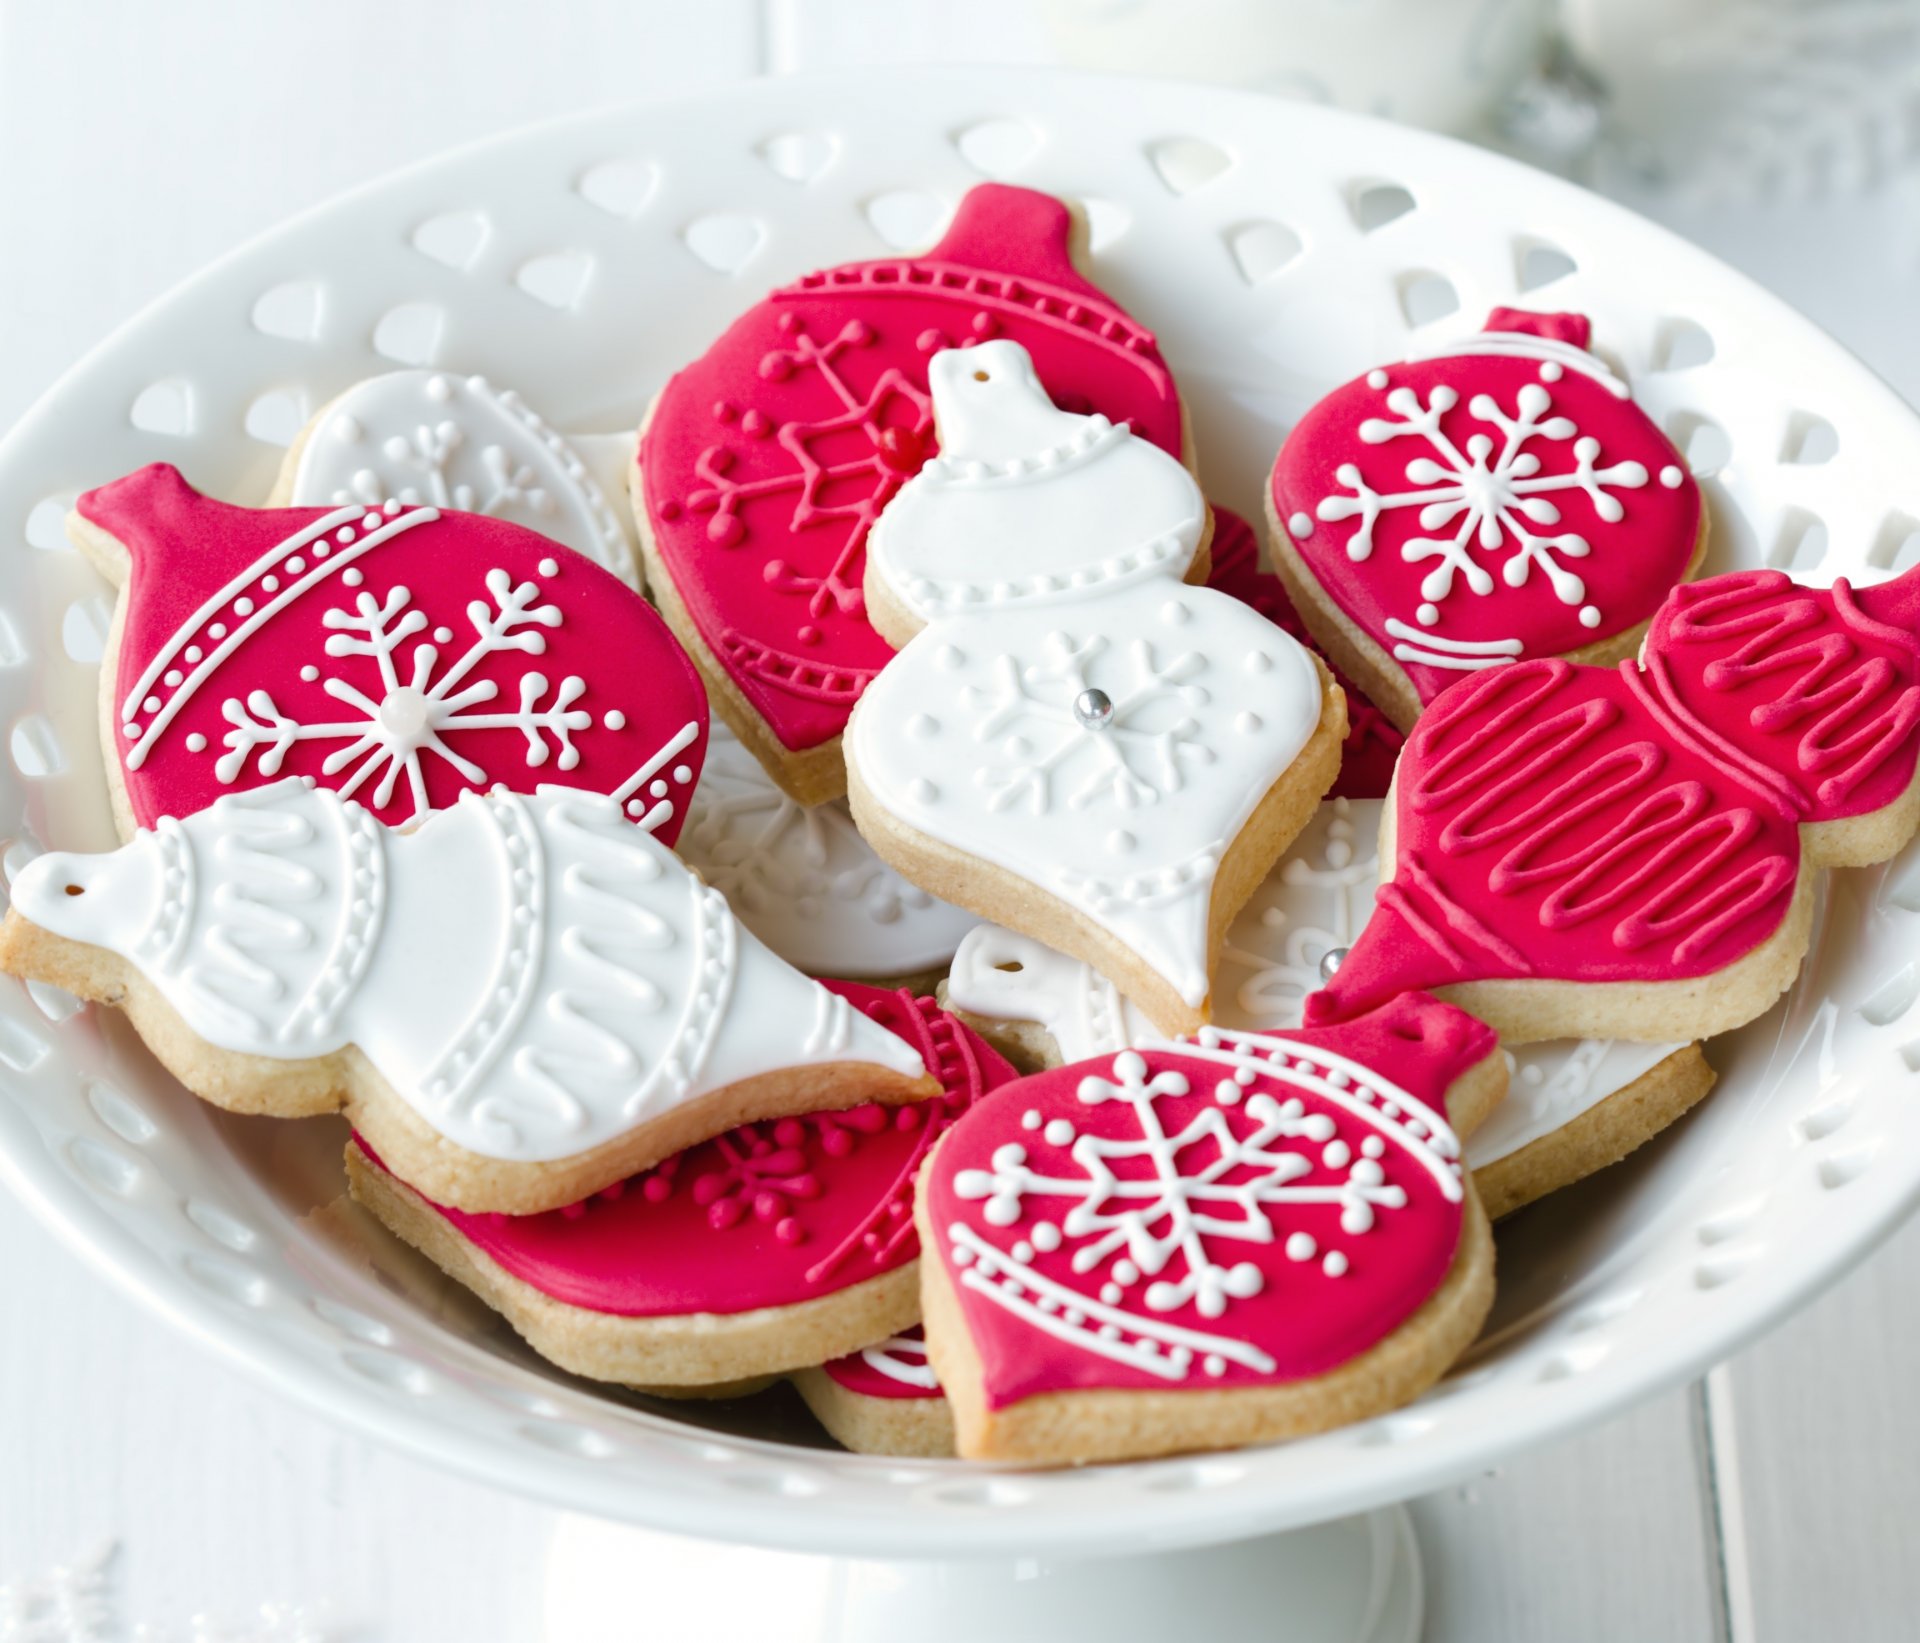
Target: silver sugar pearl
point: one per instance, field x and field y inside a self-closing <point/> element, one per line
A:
<point x="1093" y="708"/>
<point x="1330" y="962"/>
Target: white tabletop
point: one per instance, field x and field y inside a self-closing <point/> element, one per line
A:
<point x="146" y="1491"/>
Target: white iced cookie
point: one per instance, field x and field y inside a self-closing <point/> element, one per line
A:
<point x="1076" y="743"/>
<point x="426" y="436"/>
<point x="521" y="1001"/>
<point x="1572" y="1105"/>
<point x="802" y="879"/>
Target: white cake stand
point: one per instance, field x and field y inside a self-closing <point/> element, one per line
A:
<point x="1278" y="250"/>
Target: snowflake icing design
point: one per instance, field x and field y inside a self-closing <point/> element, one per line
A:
<point x="430" y="454"/>
<point x="388" y="733"/>
<point x="826" y="483"/>
<point x="1160" y="1227"/>
<point x="1136" y="756"/>
<point x="1490" y="496"/>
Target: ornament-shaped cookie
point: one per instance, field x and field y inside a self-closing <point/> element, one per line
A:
<point x="764" y="464"/>
<point x="520" y="1002"/>
<point x="1499" y="499"/>
<point x="1075" y="743"/>
<point x="1629" y="852"/>
<point x="882" y="1400"/>
<point x="770" y="1248"/>
<point x="435" y="439"/>
<point x="397" y="654"/>
<point x="1574" y="1105"/>
<point x="1373" y="740"/>
<point x="1217" y="1242"/>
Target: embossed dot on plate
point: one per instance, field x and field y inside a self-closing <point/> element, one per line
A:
<point x="1426" y="297"/>
<point x="1830" y="1116"/>
<point x="799" y="156"/>
<point x="908" y="219"/>
<point x="1894" y="997"/>
<point x="1721" y="1270"/>
<point x="998" y="148"/>
<point x="1810" y="440"/>
<point x="103" y="1168"/>
<point x="1596" y="1314"/>
<point x="55" y="1003"/>
<point x="292" y="311"/>
<point x="1261" y="249"/>
<point x="47" y="523"/>
<point x="163" y="408"/>
<point x="13" y="651"/>
<point x="21" y="1047"/>
<point x="349" y="1322"/>
<point x="1573" y="1361"/>
<point x="1187" y="163"/>
<point x="454" y="239"/>
<point x="1681" y="344"/>
<point x="119" y="1113"/>
<point x="726" y="244"/>
<point x="1896" y="544"/>
<point x="387" y="1369"/>
<point x="410" y="334"/>
<point x="984" y="1492"/>
<point x="559" y="279"/>
<point x="1393" y="1429"/>
<point x="1702" y="441"/>
<point x="568" y="1439"/>
<point x="1182" y="1477"/>
<point x="227" y="1280"/>
<point x="83" y="630"/>
<point x="276" y="417"/>
<point x="621" y="188"/>
<point x="1843" y="1168"/>
<point x="1538" y="263"/>
<point x="1376" y="202"/>
<point x="1801" y="544"/>
<point x="221" y="1227"/>
<point x="790" y="1485"/>
<point x="35" y="748"/>
<point x="1106" y="222"/>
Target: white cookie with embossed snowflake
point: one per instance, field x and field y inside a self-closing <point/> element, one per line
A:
<point x="434" y="438"/>
<point x="1496" y="498"/>
<point x="1573" y="1105"/>
<point x="1076" y="743"/>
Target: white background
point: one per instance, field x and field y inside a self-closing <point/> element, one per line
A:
<point x="1779" y="1500"/>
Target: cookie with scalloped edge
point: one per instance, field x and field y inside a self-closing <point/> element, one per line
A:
<point x="773" y="1247"/>
<point x="764" y="463"/>
<point x="519" y="1002"/>
<point x="1496" y="498"/>
<point x="1211" y="1242"/>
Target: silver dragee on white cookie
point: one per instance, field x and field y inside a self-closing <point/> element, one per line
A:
<point x="1072" y="712"/>
<point x="534" y="976"/>
<point x="1316" y="900"/>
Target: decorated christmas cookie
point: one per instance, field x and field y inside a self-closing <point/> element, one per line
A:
<point x="882" y="1400"/>
<point x="1629" y="852"/>
<point x="397" y="654"/>
<point x="764" y="464"/>
<point x="443" y="441"/>
<point x="1373" y="740"/>
<point x="1241" y="1237"/>
<point x="769" y="1248"/>
<point x="802" y="879"/>
<point x="519" y="1002"/>
<point x="1499" y="499"/>
<point x="1076" y="743"/>
<point x="1574" y="1105"/>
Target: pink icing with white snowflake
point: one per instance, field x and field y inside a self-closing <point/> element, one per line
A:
<point x="894" y="1368"/>
<point x="766" y="461"/>
<point x="1500" y="499"/>
<point x="397" y="654"/>
<point x="1237" y="1209"/>
<point x="765" y="1215"/>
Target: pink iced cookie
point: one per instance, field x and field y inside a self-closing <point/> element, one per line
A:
<point x="1229" y="1239"/>
<point x="1629" y="852"/>
<point x="397" y="654"/>
<point x="1499" y="500"/>
<point x="764" y="464"/>
<point x="768" y="1248"/>
<point x="883" y="1399"/>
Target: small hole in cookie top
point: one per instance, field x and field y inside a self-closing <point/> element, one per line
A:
<point x="981" y="376"/>
<point x="76" y="889"/>
<point x="1010" y="966"/>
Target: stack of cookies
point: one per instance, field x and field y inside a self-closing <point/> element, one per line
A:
<point x="975" y="944"/>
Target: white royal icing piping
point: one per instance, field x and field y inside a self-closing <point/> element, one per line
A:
<point x="802" y="879"/>
<point x="459" y="443"/>
<point x="903" y="1360"/>
<point x="533" y="976"/>
<point x="1316" y="899"/>
<point x="970" y="735"/>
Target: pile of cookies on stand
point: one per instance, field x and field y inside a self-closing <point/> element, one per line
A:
<point x="920" y="909"/>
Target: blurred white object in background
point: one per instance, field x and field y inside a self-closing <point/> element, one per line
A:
<point x="1756" y="99"/>
<point x="1449" y="65"/>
